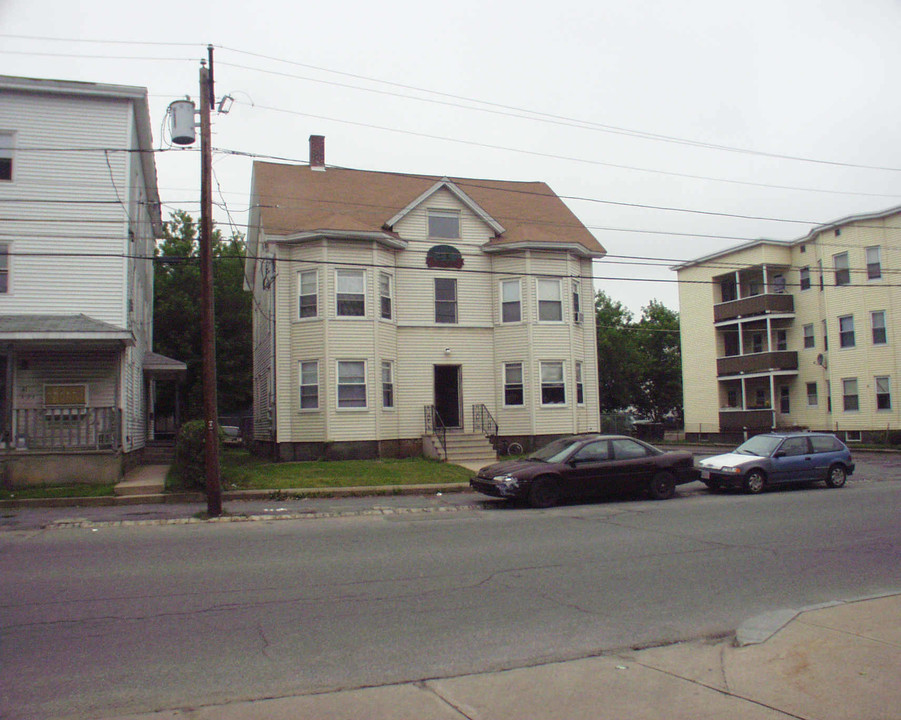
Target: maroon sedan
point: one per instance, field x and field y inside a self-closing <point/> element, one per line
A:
<point x="584" y="466"/>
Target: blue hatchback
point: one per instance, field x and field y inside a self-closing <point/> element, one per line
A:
<point x="777" y="458"/>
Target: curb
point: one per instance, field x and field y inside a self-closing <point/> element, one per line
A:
<point x="234" y="495"/>
<point x="761" y="628"/>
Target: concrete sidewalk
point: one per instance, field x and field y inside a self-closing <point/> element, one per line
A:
<point x="835" y="663"/>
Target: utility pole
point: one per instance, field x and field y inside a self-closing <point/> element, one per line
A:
<point x="207" y="315"/>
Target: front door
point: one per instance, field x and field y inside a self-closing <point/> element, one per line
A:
<point x="447" y="394"/>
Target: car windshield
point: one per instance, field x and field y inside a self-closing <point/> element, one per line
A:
<point x="555" y="451"/>
<point x="760" y="445"/>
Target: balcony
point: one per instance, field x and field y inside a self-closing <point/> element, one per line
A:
<point x="757" y="362"/>
<point x="754" y="305"/>
<point x="66" y="428"/>
<point x="757" y="420"/>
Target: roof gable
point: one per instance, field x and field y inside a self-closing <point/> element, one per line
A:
<point x="446" y="184"/>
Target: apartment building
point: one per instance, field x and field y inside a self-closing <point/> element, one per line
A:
<point x="798" y="334"/>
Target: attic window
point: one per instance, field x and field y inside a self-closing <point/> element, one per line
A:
<point x="444" y="224"/>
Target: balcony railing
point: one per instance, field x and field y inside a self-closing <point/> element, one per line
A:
<point x="66" y="428"/>
<point x="757" y="362"/>
<point x="754" y="305"/>
<point x="756" y="420"/>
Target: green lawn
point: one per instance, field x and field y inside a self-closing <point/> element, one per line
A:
<point x="57" y="491"/>
<point x="243" y="471"/>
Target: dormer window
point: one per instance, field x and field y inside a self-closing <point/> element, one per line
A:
<point x="444" y="224"/>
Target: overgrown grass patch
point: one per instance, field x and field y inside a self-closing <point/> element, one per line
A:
<point x="58" y="491"/>
<point x="241" y="470"/>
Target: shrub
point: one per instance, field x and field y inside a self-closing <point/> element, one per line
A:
<point x="190" y="453"/>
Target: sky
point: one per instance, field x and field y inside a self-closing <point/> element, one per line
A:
<point x="672" y="130"/>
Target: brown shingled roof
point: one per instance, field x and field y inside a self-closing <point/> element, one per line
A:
<point x="294" y="198"/>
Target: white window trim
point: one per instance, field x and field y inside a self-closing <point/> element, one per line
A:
<point x="816" y="396"/>
<point x="9" y="268"/>
<point x="873" y="313"/>
<point x="500" y="293"/>
<point x="338" y="271"/>
<point x="390" y="297"/>
<point x="435" y="302"/>
<point x="579" y="371"/>
<point x="538" y="301"/>
<point x="301" y="386"/>
<point x="853" y="331"/>
<point x="390" y="367"/>
<point x="338" y="407"/>
<point x="9" y="151"/>
<point x="876" y="393"/>
<point x="541" y="403"/>
<point x="300" y="274"/>
<point x="856" y="394"/>
<point x="866" y="261"/>
<point x="446" y="213"/>
<point x="578" y="316"/>
<point x="522" y="375"/>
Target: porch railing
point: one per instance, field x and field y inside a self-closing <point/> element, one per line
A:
<point x="434" y="425"/>
<point x="483" y="421"/>
<point x="66" y="428"/>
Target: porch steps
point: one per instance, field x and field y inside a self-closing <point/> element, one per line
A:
<point x="159" y="452"/>
<point x="469" y="449"/>
<point x="143" y="480"/>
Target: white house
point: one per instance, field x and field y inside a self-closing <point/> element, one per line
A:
<point x="79" y="215"/>
<point x="395" y="314"/>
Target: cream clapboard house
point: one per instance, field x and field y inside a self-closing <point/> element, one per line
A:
<point x="796" y="334"/>
<point x="396" y="314"/>
<point x="80" y="214"/>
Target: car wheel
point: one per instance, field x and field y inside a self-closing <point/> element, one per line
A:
<point x="837" y="476"/>
<point x="755" y="482"/>
<point x="543" y="493"/>
<point x="662" y="486"/>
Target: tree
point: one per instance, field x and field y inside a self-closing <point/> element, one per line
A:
<point x="176" y="325"/>
<point x="659" y="391"/>
<point x="618" y="359"/>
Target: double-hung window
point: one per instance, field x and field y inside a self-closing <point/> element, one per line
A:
<point x="550" y="301"/>
<point x="805" y="278"/>
<point x="781" y="340"/>
<point x="812" y="399"/>
<point x="577" y="302"/>
<point x="842" y="269"/>
<point x="874" y="263"/>
<point x="307" y="294"/>
<point x="883" y="393"/>
<point x="6" y="155"/>
<point x="513" y="387"/>
<point x="352" y="384"/>
<point x="387" y="384"/>
<point x="309" y="385"/>
<point x="850" y="400"/>
<point x="580" y="387"/>
<point x="511" y="301"/>
<point x="350" y="292"/>
<point x="877" y="320"/>
<point x="846" y="331"/>
<point x="385" y="296"/>
<point x="4" y="268"/>
<point x="444" y="224"/>
<point x="553" y="386"/>
<point x="809" y="340"/>
<point x="445" y="300"/>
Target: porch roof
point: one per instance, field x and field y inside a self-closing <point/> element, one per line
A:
<point x="156" y="364"/>
<point x="60" y="327"/>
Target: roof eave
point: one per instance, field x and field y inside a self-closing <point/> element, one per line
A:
<point x="386" y="239"/>
<point x="574" y="248"/>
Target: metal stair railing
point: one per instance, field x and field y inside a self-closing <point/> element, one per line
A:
<point x="434" y="425"/>
<point x="484" y="422"/>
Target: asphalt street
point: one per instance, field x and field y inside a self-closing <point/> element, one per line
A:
<point x="111" y="619"/>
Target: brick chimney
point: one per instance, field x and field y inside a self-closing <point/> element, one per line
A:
<point x="317" y="152"/>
